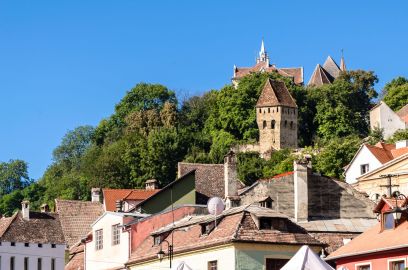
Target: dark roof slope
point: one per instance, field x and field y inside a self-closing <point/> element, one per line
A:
<point x="77" y="217"/>
<point x="331" y="67"/>
<point x="320" y="77"/>
<point x="275" y="93"/>
<point x="40" y="228"/>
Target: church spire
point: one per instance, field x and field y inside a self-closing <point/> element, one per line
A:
<point x="342" y="63"/>
<point x="263" y="56"/>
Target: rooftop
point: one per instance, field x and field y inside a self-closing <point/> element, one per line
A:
<point x="112" y="195"/>
<point x="275" y="93"/>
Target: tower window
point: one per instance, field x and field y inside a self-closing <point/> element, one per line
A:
<point x="273" y="124"/>
<point x="291" y="124"/>
<point x="277" y="109"/>
<point x="264" y="124"/>
<point x="269" y="110"/>
<point x="260" y="110"/>
<point x="286" y="123"/>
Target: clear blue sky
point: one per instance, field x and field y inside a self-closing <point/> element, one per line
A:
<point x="67" y="63"/>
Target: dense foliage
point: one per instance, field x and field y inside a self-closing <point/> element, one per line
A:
<point x="395" y="93"/>
<point x="150" y="131"/>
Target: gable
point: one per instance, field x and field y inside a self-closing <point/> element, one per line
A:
<point x="396" y="166"/>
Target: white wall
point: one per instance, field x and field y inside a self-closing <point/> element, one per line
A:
<point x="110" y="256"/>
<point x="33" y="252"/>
<point x="363" y="157"/>
<point x="225" y="257"/>
<point x="383" y="117"/>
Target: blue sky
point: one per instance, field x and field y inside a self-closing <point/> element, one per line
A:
<point x="67" y="63"/>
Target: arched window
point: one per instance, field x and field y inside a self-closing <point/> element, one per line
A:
<point x="291" y="124"/>
<point x="269" y="110"/>
<point x="264" y="124"/>
<point x="273" y="124"/>
<point x="260" y="110"/>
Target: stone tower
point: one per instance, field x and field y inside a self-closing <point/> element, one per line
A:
<point x="276" y="116"/>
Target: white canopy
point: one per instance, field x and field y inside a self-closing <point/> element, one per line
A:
<point x="181" y="266"/>
<point x="306" y="259"/>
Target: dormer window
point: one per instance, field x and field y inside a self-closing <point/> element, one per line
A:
<point x="266" y="202"/>
<point x="388" y="221"/>
<point x="272" y="223"/>
<point x="206" y="228"/>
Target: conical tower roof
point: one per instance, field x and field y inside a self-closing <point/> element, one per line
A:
<point x="319" y="77"/>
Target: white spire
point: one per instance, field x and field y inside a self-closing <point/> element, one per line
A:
<point x="263" y="56"/>
<point x="262" y="47"/>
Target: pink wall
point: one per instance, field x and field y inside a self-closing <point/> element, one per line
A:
<point x="379" y="261"/>
<point x="143" y="229"/>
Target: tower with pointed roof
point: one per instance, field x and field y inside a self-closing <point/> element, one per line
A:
<point x="277" y="118"/>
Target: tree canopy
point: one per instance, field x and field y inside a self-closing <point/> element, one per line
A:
<point x="395" y="93"/>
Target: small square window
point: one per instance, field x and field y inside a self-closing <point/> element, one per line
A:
<point x="13" y="244"/>
<point x="364" y="267"/>
<point x="212" y="265"/>
<point x="40" y="245"/>
<point x="53" y="245"/>
<point x="364" y="168"/>
<point x="26" y="244"/>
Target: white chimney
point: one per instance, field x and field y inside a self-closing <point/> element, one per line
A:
<point x="301" y="197"/>
<point x="25" y="209"/>
<point x="401" y="144"/>
<point x="95" y="194"/>
<point x="151" y="184"/>
<point x="231" y="180"/>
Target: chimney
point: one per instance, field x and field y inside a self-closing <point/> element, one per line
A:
<point x="118" y="204"/>
<point x="25" y="209"/>
<point x="401" y="144"/>
<point x="231" y="179"/>
<point x="95" y="194"/>
<point x="151" y="184"/>
<point x="45" y="208"/>
<point x="300" y="182"/>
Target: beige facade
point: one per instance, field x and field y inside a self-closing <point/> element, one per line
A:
<point x="277" y="127"/>
<point x="381" y="116"/>
<point x="375" y="183"/>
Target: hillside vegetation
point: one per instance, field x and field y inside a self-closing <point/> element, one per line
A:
<point x="151" y="130"/>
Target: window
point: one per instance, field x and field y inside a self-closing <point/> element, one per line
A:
<point x="364" y="267"/>
<point x="207" y="227"/>
<point x="39" y="264"/>
<point x="26" y="244"/>
<point x="52" y="264"/>
<point x="115" y="234"/>
<point x="99" y="239"/>
<point x="397" y="265"/>
<point x="268" y="223"/>
<point x="264" y="124"/>
<point x="212" y="265"/>
<point x="40" y="245"/>
<point x="157" y="240"/>
<point x="53" y="245"/>
<point x="291" y="124"/>
<point x="273" y="124"/>
<point x="265" y="223"/>
<point x="25" y="263"/>
<point x="277" y="109"/>
<point x="13" y="244"/>
<point x="260" y="110"/>
<point x="12" y="259"/>
<point x="388" y="221"/>
<point x="364" y="168"/>
<point x="269" y="110"/>
<point x="286" y="123"/>
<point x="275" y="264"/>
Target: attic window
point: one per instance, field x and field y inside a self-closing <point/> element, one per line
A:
<point x="157" y="239"/>
<point x="206" y="228"/>
<point x="388" y="221"/>
<point x="267" y="202"/>
<point x="269" y="223"/>
<point x="364" y="168"/>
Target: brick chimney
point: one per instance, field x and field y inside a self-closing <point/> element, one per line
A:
<point x="300" y="181"/>
<point x="118" y="205"/>
<point x="231" y="180"/>
<point x="25" y="209"/>
<point x="151" y="184"/>
<point x="95" y="194"/>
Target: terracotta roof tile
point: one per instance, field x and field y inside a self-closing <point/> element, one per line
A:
<point x="275" y="93"/>
<point x="403" y="113"/>
<point x="112" y="195"/>
<point x="40" y="228"/>
<point x="5" y="223"/>
<point x="380" y="153"/>
<point x="76" y="218"/>
<point x="76" y="258"/>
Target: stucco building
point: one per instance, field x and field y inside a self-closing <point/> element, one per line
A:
<point x="31" y="240"/>
<point x="263" y="65"/>
<point x="383" y="117"/>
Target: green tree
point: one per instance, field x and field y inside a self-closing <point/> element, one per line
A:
<point x="250" y="167"/>
<point x="335" y="154"/>
<point x="13" y="176"/>
<point x="395" y="93"/>
<point x="399" y="135"/>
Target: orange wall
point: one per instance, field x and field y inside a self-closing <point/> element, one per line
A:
<point x="379" y="261"/>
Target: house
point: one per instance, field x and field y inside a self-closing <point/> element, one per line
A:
<point x="128" y="198"/>
<point x="31" y="240"/>
<point x="383" y="117"/>
<point x="246" y="237"/>
<point x="389" y="177"/>
<point x="329" y="209"/>
<point x="370" y="157"/>
<point x="384" y="246"/>
<point x="327" y="73"/>
<point x="108" y="245"/>
<point x="263" y="65"/>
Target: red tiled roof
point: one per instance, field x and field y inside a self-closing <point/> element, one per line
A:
<point x="390" y="202"/>
<point x="76" y="258"/>
<point x="237" y="226"/>
<point x="403" y="113"/>
<point x="373" y="241"/>
<point x="76" y="218"/>
<point x="275" y="93"/>
<point x="381" y="151"/>
<point x="112" y="195"/>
